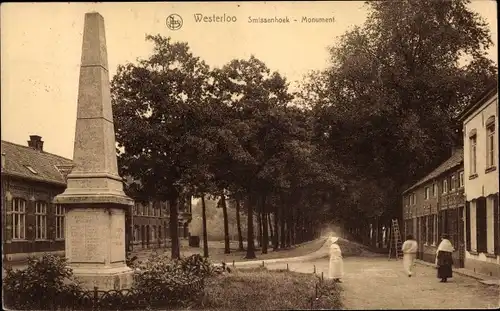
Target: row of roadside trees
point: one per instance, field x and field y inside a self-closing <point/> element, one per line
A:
<point x="340" y="149"/>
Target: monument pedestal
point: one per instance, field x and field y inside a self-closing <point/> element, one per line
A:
<point x="95" y="246"/>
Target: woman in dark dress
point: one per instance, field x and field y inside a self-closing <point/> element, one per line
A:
<point x="444" y="260"/>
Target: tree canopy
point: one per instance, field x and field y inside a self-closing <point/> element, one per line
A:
<point x="343" y="148"/>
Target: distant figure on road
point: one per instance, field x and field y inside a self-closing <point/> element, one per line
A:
<point x="409" y="249"/>
<point x="444" y="260"/>
<point x="336" y="268"/>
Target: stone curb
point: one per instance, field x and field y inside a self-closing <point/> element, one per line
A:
<point x="472" y="275"/>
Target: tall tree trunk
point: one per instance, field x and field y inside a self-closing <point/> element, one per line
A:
<point x="259" y="227"/>
<point x="238" y="225"/>
<point x="227" y="247"/>
<point x="299" y="228"/>
<point x="204" y="219"/>
<point x="282" y="226"/>
<point x="250" y="236"/>
<point x="271" y="231"/>
<point x="276" y="229"/>
<point x="265" y="233"/>
<point x="288" y="223"/>
<point x="174" y="231"/>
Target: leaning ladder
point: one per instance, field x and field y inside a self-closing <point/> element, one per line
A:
<point x="395" y="241"/>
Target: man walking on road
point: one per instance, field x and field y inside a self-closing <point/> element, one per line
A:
<point x="409" y="249"/>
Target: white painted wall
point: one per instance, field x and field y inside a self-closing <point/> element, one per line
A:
<point x="486" y="183"/>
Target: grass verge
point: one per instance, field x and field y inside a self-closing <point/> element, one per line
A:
<point x="260" y="289"/>
<point x="216" y="252"/>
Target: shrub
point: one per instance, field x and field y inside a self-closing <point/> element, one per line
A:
<point x="201" y="266"/>
<point x="132" y="261"/>
<point x="46" y="283"/>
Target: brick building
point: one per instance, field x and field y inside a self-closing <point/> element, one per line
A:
<point x="482" y="217"/>
<point x="30" y="180"/>
<point x="435" y="205"/>
<point x="150" y="223"/>
<point x="33" y="225"/>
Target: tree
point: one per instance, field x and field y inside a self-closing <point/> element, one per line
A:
<point x="389" y="98"/>
<point x="156" y="105"/>
<point x="251" y="92"/>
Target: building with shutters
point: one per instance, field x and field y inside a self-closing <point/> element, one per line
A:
<point x="33" y="225"/>
<point x="482" y="225"/>
<point x="435" y="205"/>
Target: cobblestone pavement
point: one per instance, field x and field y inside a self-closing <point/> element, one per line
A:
<point x="377" y="283"/>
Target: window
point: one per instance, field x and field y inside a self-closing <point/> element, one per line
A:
<point x="427" y="194"/>
<point x="431" y="225"/>
<point x="473" y="145"/>
<point x="425" y="228"/>
<point x="452" y="182"/>
<point x="59" y="222"/>
<point x="434" y="190"/>
<point x="445" y="186"/>
<point x="461" y="180"/>
<point x="18" y="219"/>
<point x="481" y="225"/>
<point x="41" y="220"/>
<point x="490" y="142"/>
<point x="414" y="199"/>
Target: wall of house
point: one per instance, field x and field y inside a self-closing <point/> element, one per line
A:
<point x="30" y="192"/>
<point x="482" y="221"/>
<point x="429" y="217"/>
<point x="485" y="183"/>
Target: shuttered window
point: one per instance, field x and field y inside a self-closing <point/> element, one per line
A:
<point x="481" y="225"/>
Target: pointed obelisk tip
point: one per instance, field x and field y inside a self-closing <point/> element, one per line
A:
<point x="94" y="50"/>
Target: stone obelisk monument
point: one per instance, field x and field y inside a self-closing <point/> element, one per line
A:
<point x="94" y="199"/>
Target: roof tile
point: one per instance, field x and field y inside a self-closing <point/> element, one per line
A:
<point x="47" y="166"/>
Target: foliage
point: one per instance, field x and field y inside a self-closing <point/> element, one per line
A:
<point x="44" y="284"/>
<point x="389" y="98"/>
<point x="342" y="149"/>
<point x="162" y="278"/>
<point x="132" y="261"/>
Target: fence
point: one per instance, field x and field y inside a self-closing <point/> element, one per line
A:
<point x="125" y="299"/>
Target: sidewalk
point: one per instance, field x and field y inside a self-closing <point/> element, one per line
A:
<point x="483" y="278"/>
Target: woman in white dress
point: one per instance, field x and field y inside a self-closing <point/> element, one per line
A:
<point x="336" y="268"/>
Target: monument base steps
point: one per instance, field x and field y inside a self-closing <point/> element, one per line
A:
<point x="104" y="279"/>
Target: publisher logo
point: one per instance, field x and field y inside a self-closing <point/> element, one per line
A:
<point x="174" y="22"/>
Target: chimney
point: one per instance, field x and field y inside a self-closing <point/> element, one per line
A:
<point x="457" y="140"/>
<point x="36" y="142"/>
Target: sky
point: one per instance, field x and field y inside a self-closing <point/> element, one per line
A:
<point x="41" y="49"/>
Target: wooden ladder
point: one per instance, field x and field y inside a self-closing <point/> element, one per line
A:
<point x="395" y="242"/>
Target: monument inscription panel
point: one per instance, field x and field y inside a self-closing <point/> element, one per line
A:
<point x="117" y="238"/>
<point x="86" y="233"/>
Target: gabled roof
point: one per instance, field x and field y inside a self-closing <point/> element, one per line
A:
<point x="455" y="160"/>
<point x="26" y="162"/>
